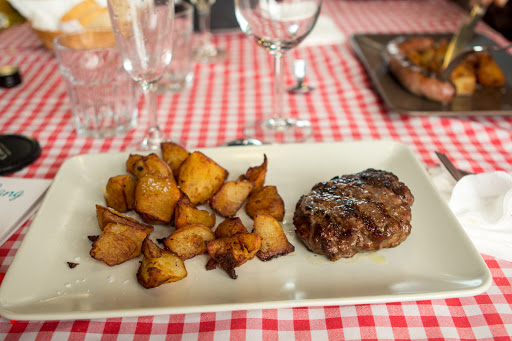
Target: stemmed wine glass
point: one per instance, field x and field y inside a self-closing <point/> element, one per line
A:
<point x="206" y="52"/>
<point x="143" y="32"/>
<point x="278" y="26"/>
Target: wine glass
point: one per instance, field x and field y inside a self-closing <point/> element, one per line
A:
<point x="206" y="52"/>
<point x="278" y="26"/>
<point x="143" y="32"/>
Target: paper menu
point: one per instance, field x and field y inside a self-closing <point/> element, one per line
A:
<point x="19" y="199"/>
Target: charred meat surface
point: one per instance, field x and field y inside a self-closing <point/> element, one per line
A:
<point x="366" y="211"/>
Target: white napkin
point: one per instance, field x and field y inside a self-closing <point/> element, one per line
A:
<point x="45" y="15"/>
<point x="19" y="199"/>
<point x="483" y="205"/>
<point x="325" y="32"/>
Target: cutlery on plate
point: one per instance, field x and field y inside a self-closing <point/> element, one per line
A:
<point x="299" y="71"/>
<point x="454" y="171"/>
<point x="464" y="34"/>
<point x="447" y="71"/>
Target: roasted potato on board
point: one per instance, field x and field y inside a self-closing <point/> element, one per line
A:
<point x="174" y="155"/>
<point x="189" y="241"/>
<point x="266" y="200"/>
<point x="232" y="252"/>
<point x="159" y="266"/>
<point x="187" y="213"/>
<point x="273" y="239"/>
<point x="156" y="198"/>
<point x="489" y="73"/>
<point x="229" y="227"/>
<point x="120" y="193"/>
<point x="107" y="215"/>
<point x="464" y="79"/>
<point x="152" y="164"/>
<point x="257" y="174"/>
<point x="230" y="197"/>
<point x="117" y="244"/>
<point x="200" y="177"/>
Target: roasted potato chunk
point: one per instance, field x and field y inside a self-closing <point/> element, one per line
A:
<point x="159" y="266"/>
<point x="117" y="244"/>
<point x="189" y="241"/>
<point x="266" y="200"/>
<point x="464" y="79"/>
<point x="229" y="227"/>
<point x="257" y="174"/>
<point x="174" y="155"/>
<point x="200" y="177"/>
<point x="120" y="193"/>
<point x="226" y="228"/>
<point x="232" y="252"/>
<point x="230" y="197"/>
<point x="107" y="215"/>
<point x="187" y="213"/>
<point x="489" y="73"/>
<point x="152" y="164"/>
<point x="156" y="198"/>
<point x="273" y="239"/>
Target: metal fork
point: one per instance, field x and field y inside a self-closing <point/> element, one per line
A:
<point x="446" y="73"/>
<point x="454" y="171"/>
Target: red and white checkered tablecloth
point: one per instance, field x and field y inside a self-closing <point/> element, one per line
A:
<point x="226" y="96"/>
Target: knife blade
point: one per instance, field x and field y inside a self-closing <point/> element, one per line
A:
<point x="464" y="34"/>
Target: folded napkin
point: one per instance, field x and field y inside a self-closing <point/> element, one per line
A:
<point x="19" y="199"/>
<point x="45" y="15"/>
<point x="483" y="205"/>
<point x="325" y="32"/>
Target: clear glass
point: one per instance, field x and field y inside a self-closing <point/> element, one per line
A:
<point x="143" y="32"/>
<point x="206" y="52"/>
<point x="278" y="26"/>
<point x="102" y="94"/>
<point x="180" y="73"/>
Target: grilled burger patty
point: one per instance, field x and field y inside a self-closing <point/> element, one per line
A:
<point x="354" y="213"/>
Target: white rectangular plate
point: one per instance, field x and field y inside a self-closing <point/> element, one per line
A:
<point x="437" y="260"/>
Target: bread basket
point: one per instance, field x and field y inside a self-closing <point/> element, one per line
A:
<point x="83" y="16"/>
<point x="47" y="37"/>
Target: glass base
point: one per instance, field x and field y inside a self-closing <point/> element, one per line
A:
<point x="280" y="130"/>
<point x="210" y="54"/>
<point x="174" y="83"/>
<point x="154" y="137"/>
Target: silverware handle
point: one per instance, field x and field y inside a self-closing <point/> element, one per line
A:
<point x="477" y="12"/>
<point x="454" y="171"/>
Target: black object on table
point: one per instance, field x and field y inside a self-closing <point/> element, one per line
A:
<point x="9" y="76"/>
<point x="17" y="152"/>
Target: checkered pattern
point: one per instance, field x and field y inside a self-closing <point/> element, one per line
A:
<point x="226" y="97"/>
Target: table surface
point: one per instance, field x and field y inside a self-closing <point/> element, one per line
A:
<point x="225" y="97"/>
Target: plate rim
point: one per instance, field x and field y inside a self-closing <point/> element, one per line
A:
<point x="7" y="312"/>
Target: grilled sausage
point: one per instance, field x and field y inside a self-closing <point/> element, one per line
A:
<point x="411" y="76"/>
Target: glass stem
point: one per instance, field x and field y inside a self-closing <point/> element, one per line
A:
<point x="278" y="88"/>
<point x="204" y="10"/>
<point x="154" y="135"/>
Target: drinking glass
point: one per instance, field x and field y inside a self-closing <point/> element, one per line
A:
<point x="206" y="52"/>
<point x="142" y="29"/>
<point x="278" y="26"/>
